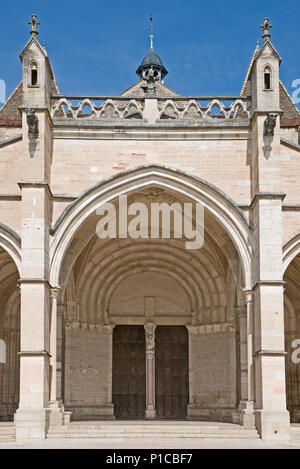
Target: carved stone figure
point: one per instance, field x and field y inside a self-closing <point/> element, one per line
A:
<point x="32" y="122"/>
<point x="151" y="79"/>
<point x="150" y="336"/>
<point x="269" y="125"/>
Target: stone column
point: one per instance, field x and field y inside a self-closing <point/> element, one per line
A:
<point x="53" y="345"/>
<point x="241" y="312"/>
<point x="150" y="370"/>
<point x="60" y="354"/>
<point x="56" y="408"/>
<point x="193" y="332"/>
<point x="247" y="417"/>
<point x="109" y="412"/>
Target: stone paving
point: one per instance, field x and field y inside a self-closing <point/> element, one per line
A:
<point x="151" y="443"/>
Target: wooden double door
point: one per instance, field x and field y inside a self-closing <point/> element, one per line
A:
<point x="129" y="372"/>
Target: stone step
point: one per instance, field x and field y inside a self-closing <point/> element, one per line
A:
<point x="152" y="431"/>
<point x="7" y="433"/>
<point x="198" y="427"/>
<point x="295" y="434"/>
<point x="240" y="436"/>
<point x="160" y="430"/>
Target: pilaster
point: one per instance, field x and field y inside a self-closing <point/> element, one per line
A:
<point x="271" y="415"/>
<point x="32" y="416"/>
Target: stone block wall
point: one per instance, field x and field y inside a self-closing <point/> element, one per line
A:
<point x="212" y="363"/>
<point x="88" y="374"/>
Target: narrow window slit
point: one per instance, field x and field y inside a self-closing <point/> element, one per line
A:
<point x="34" y="76"/>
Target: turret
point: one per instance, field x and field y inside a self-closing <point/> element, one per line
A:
<point x="152" y="60"/>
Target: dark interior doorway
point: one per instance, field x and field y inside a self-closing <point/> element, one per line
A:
<point x="171" y="372"/>
<point x="129" y="372"/>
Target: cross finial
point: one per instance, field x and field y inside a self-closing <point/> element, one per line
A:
<point x="34" y="23"/>
<point x="151" y="29"/>
<point x="266" y="27"/>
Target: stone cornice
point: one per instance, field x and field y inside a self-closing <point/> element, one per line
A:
<point x="269" y="283"/>
<point x="10" y="197"/>
<point x="106" y="129"/>
<point x="31" y="353"/>
<point x="285" y="207"/>
<point x="36" y="185"/>
<point x="280" y="353"/>
<point x="55" y="197"/>
<point x="291" y="207"/>
<point x="85" y="327"/>
<point x="34" y="280"/>
<point x="266" y="195"/>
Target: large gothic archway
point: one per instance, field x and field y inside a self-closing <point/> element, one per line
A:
<point x="292" y="333"/>
<point x="133" y="281"/>
<point x="9" y="322"/>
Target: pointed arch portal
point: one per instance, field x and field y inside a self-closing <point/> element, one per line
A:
<point x="131" y="283"/>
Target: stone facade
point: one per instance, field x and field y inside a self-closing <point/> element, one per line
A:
<point x="63" y="289"/>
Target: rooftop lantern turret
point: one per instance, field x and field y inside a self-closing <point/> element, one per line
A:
<point x="152" y="60"/>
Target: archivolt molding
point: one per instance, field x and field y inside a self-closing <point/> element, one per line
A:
<point x="188" y="187"/>
<point x="11" y="243"/>
<point x="290" y="251"/>
<point x="12" y="312"/>
<point x="289" y="314"/>
<point x="197" y="274"/>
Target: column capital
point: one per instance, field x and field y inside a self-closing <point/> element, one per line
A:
<point x="54" y="292"/>
<point x="150" y="327"/>
<point x="249" y="295"/>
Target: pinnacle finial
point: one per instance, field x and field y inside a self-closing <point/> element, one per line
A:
<point x="151" y="32"/>
<point x="34" y="23"/>
<point x="266" y="27"/>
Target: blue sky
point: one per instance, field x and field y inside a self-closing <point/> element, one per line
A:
<point x="96" y="46"/>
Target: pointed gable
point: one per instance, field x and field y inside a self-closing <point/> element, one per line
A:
<point x="291" y="114"/>
<point x="266" y="49"/>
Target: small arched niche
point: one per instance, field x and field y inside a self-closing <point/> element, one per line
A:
<point x="267" y="78"/>
<point x="33" y="74"/>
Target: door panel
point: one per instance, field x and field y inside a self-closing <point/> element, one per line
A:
<point x="129" y="371"/>
<point x="171" y="371"/>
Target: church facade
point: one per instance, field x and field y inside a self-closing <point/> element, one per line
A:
<point x="95" y="328"/>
